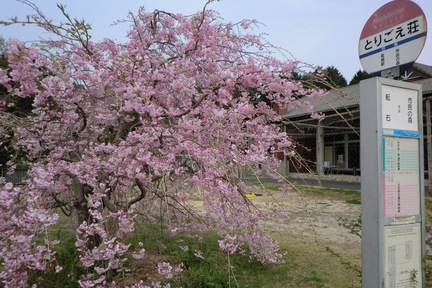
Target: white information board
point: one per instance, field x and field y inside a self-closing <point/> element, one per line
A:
<point x="402" y="251"/>
<point x="399" y="110"/>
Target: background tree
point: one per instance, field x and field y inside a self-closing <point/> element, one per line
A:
<point x="3" y="50"/>
<point x="326" y="79"/>
<point x="334" y="76"/>
<point x="4" y="135"/>
<point x="360" y="75"/>
<point x="15" y="110"/>
<point x="121" y="134"/>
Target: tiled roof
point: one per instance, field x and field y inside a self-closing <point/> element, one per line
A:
<point x="348" y="96"/>
<point x="426" y="85"/>
<point x="423" y="68"/>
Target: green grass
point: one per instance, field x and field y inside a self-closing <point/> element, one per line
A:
<point x="428" y="203"/>
<point x="349" y="196"/>
<point x="306" y="265"/>
<point x="66" y="256"/>
<point x="329" y="192"/>
<point x="353" y="201"/>
<point x="307" y="262"/>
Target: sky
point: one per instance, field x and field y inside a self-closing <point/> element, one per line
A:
<point x="318" y="32"/>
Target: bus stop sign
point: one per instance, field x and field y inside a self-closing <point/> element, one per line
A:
<point x="393" y="37"/>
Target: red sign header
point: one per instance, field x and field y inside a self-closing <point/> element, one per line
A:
<point x="390" y="15"/>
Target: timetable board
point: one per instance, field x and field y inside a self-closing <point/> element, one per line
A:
<point x="401" y="189"/>
<point x="402" y="248"/>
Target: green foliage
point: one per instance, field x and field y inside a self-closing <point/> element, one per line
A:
<point x="413" y="278"/>
<point x="428" y="257"/>
<point x="3" y="50"/>
<point x="335" y="77"/>
<point x="360" y="75"/>
<point x="323" y="78"/>
<point x="21" y="108"/>
<point x="67" y="257"/>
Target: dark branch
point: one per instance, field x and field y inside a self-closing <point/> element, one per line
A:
<point x="143" y="193"/>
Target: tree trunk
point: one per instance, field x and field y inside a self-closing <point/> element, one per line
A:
<point x="83" y="213"/>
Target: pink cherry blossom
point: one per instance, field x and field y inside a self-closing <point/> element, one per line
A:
<point x="124" y="133"/>
<point x="198" y="254"/>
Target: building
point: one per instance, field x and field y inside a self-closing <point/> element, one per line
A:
<point x="332" y="146"/>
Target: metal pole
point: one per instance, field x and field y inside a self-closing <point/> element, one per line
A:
<point x="320" y="151"/>
<point x="429" y="144"/>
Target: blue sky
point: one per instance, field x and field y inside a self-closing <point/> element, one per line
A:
<point x="317" y="32"/>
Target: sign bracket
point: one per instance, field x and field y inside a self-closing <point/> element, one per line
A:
<point x="391" y="73"/>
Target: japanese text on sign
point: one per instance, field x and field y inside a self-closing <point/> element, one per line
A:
<point x="392" y="35"/>
<point x="399" y="111"/>
<point x="394" y="46"/>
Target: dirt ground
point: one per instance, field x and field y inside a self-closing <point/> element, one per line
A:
<point x="312" y="220"/>
<point x="316" y="219"/>
<point x="320" y="251"/>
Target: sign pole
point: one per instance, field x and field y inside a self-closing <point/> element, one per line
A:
<point x="391" y="149"/>
<point x="392" y="184"/>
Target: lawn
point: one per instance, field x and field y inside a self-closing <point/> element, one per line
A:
<point x="311" y="259"/>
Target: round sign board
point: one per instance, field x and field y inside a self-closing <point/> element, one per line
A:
<point x="393" y="37"/>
